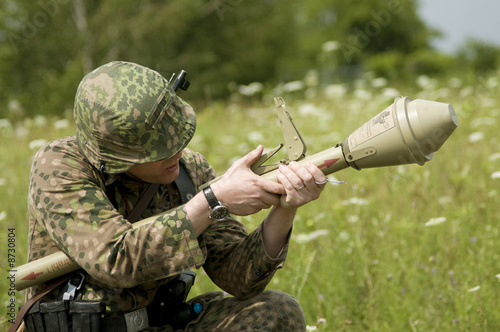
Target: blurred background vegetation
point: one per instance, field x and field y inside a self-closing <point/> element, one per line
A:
<point x="47" y="46"/>
<point x="395" y="249"/>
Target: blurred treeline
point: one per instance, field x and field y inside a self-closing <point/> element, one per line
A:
<point x="47" y="46"/>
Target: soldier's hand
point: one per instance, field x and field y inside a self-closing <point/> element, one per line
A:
<point x="244" y="192"/>
<point x="300" y="183"/>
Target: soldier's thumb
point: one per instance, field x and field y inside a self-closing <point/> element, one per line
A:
<point x="252" y="156"/>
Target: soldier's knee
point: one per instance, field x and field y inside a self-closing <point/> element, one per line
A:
<point x="280" y="298"/>
<point x="270" y="311"/>
<point x="283" y="311"/>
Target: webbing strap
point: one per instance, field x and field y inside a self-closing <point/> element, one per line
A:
<point x="183" y="183"/>
<point x="143" y="202"/>
<point x="27" y="306"/>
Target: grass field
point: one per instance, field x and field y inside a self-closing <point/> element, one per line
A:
<point x="404" y="248"/>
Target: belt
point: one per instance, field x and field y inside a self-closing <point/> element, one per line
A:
<point x="168" y="308"/>
<point x="152" y="316"/>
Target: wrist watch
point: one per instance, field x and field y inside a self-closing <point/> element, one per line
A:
<point x="218" y="211"/>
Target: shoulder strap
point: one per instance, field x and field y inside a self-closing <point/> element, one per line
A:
<point x="183" y="183"/>
<point x="27" y="306"/>
<point x="143" y="202"/>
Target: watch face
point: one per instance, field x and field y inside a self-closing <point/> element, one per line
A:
<point x="220" y="212"/>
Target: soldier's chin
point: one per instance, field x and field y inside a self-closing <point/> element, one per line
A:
<point x="169" y="175"/>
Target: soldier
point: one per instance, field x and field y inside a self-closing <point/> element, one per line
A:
<point x="132" y="131"/>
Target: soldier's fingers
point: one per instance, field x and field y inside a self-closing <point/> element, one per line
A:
<point x="319" y="178"/>
<point x="252" y="156"/>
<point x="285" y="182"/>
<point x="294" y="179"/>
<point x="303" y="173"/>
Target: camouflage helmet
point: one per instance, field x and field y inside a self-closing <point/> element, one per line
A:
<point x="127" y="114"/>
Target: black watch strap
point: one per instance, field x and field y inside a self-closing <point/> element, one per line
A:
<point x="209" y="194"/>
<point x="218" y="211"/>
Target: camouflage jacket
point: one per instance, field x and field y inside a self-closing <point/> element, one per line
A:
<point x="70" y="209"/>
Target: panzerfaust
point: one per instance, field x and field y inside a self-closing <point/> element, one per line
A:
<point x="407" y="132"/>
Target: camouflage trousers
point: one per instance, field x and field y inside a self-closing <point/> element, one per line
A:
<point x="268" y="311"/>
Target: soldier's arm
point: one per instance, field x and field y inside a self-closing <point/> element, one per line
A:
<point x="244" y="193"/>
<point x="71" y="204"/>
<point x="243" y="264"/>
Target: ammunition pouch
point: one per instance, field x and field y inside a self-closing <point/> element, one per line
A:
<point x="65" y="316"/>
<point x="169" y="307"/>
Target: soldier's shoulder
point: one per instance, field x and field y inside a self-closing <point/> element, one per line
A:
<point x="198" y="167"/>
<point x="62" y="151"/>
<point x="64" y="145"/>
<point x="193" y="158"/>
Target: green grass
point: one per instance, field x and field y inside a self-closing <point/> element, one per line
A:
<point x="375" y="266"/>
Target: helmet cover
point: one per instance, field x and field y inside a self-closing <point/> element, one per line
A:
<point x="127" y="114"/>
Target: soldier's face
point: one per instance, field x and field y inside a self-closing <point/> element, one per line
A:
<point x="163" y="171"/>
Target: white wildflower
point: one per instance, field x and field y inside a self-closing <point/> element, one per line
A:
<point x="308" y="109"/>
<point x="492" y="82"/>
<point x="251" y="89"/>
<point x="344" y="236"/>
<point x="474" y="289"/>
<point x="362" y="94"/>
<point x="335" y="90"/>
<point x="435" y="221"/>
<point x="379" y="82"/>
<point x="61" y="124"/>
<point x="495" y="175"/>
<point x="40" y="120"/>
<point x="330" y="46"/>
<point x="483" y="121"/>
<point x="305" y="238"/>
<point x="355" y="201"/>
<point x="362" y="83"/>
<point x="5" y="124"/>
<point x="391" y="93"/>
<point x="311" y="328"/>
<point x="466" y="91"/>
<point x="15" y="106"/>
<point x="293" y="86"/>
<point x="443" y="92"/>
<point x="312" y="78"/>
<point x="498" y="276"/>
<point x="487" y="102"/>
<point x="37" y="144"/>
<point x="321" y="321"/>
<point x="426" y="83"/>
<point x="444" y="200"/>
<point x="21" y="131"/>
<point x="353" y="219"/>
<point x="476" y="137"/>
<point x="495" y="156"/>
<point x="3" y="215"/>
<point x="401" y="169"/>
<point x="255" y="136"/>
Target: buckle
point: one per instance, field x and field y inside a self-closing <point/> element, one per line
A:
<point x="70" y="292"/>
<point x="137" y="320"/>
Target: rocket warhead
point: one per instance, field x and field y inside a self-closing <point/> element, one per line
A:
<point x="408" y="131"/>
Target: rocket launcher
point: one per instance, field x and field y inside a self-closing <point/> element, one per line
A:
<point x="407" y="132"/>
